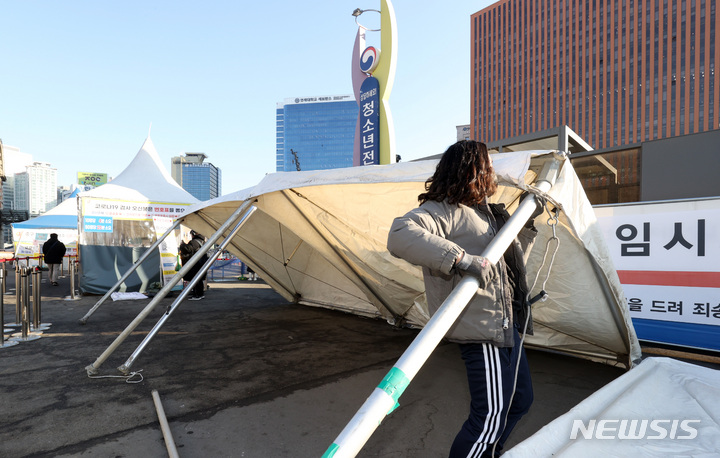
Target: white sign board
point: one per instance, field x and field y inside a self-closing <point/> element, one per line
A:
<point x="667" y="255"/>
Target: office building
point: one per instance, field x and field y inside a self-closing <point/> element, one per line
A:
<point x="629" y="78"/>
<point x="315" y="133"/>
<point x="36" y="189"/>
<point x="617" y="73"/>
<point x="463" y="132"/>
<point x="13" y="161"/>
<point x="201" y="179"/>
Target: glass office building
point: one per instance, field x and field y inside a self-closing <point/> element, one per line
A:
<point x="201" y="179"/>
<point x="315" y="133"/>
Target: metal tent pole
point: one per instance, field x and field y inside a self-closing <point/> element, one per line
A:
<point x="92" y="369"/>
<point x="384" y="398"/>
<point x="125" y="368"/>
<point x="132" y="269"/>
<point x="165" y="426"/>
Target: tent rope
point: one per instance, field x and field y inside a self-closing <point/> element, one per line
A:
<point x="286" y="264"/>
<point x="552" y="222"/>
<point x="543" y="295"/>
<point x="132" y="377"/>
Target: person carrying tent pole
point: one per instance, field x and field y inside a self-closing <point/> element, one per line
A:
<point x="445" y="235"/>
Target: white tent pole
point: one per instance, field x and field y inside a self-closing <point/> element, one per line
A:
<point x="165" y="426"/>
<point x="132" y="269"/>
<point x="92" y="369"/>
<point x="384" y="398"/>
<point x="125" y="368"/>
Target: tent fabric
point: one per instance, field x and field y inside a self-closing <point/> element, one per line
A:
<point x="102" y="266"/>
<point x="63" y="216"/>
<point x="682" y="399"/>
<point x="319" y="238"/>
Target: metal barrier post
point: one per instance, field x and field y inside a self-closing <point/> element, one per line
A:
<point x="72" y="296"/>
<point x="38" y="325"/>
<point x="24" y="298"/>
<point x="18" y="302"/>
<point x="25" y="280"/>
<point x="3" y="343"/>
<point x="35" y="298"/>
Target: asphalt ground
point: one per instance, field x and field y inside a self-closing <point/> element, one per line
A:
<point x="241" y="373"/>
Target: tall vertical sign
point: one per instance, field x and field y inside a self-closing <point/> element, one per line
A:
<point x="369" y="121"/>
<point x="373" y="79"/>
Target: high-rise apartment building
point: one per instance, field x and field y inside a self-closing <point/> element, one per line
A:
<point x="8" y="190"/>
<point x="36" y="189"/>
<point x="315" y="133"/>
<point x="201" y="179"/>
<point x="616" y="72"/>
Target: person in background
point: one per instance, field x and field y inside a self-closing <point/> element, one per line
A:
<point x="446" y="235"/>
<point x="187" y="251"/>
<point x="53" y="251"/>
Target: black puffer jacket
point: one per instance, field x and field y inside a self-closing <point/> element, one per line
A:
<point x="53" y="250"/>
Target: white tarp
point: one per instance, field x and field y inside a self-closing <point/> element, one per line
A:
<point x="663" y="407"/>
<point x="319" y="238"/>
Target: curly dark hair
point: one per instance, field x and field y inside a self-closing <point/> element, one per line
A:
<point x="464" y="175"/>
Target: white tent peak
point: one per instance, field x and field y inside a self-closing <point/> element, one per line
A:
<point x="144" y="179"/>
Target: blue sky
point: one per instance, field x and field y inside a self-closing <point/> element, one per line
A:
<point x="82" y="81"/>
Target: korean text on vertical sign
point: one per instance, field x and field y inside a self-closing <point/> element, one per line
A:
<point x="370" y="121"/>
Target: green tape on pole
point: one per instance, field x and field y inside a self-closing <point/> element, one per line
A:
<point x="330" y="452"/>
<point x="394" y="385"/>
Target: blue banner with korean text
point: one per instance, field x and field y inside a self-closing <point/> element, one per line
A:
<point x="97" y="224"/>
<point x="369" y="121"/>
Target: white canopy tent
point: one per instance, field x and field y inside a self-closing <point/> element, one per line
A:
<point x="29" y="236"/>
<point x="120" y="219"/>
<point x="319" y="238"/>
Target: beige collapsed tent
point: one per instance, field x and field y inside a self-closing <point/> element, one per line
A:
<point x="319" y="238"/>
